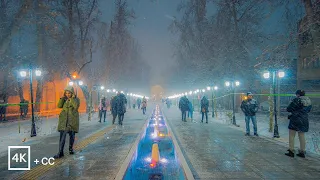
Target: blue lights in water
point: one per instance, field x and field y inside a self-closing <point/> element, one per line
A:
<point x="142" y="165"/>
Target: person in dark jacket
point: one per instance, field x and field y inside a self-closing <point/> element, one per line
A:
<point x="190" y="111"/>
<point x="204" y="108"/>
<point x="113" y="108"/>
<point x="249" y="107"/>
<point x="103" y="109"/>
<point x="168" y="102"/>
<point x="68" y="119"/>
<point x="183" y="106"/>
<point x="139" y="103"/>
<point x="24" y="108"/>
<point x="121" y="106"/>
<point x="144" y="105"/>
<point x="3" y="107"/>
<point x="299" y="108"/>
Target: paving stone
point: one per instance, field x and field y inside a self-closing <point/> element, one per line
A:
<point x="235" y="156"/>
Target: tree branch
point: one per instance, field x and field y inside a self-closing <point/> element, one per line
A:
<point x="247" y="9"/>
<point x="91" y="10"/>
<point x="86" y="62"/>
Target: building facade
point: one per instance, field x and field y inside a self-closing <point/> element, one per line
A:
<point x="308" y="64"/>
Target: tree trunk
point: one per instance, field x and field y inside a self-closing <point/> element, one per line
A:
<point x="87" y="96"/>
<point x="38" y="95"/>
<point x="40" y="33"/>
<point x="71" y="65"/>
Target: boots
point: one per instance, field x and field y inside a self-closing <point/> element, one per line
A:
<point x="71" y="150"/>
<point x="302" y="154"/>
<point x="290" y="153"/>
<point x="71" y="142"/>
<point x="59" y="155"/>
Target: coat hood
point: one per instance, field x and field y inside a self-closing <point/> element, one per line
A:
<point x="305" y="101"/>
<point x="69" y="88"/>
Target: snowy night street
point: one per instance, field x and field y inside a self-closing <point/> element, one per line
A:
<point x="159" y="89"/>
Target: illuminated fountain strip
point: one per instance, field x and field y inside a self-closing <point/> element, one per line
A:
<point x="155" y="154"/>
<point x="152" y="136"/>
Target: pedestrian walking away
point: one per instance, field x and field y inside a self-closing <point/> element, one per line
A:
<point x="190" y="110"/>
<point x="144" y="105"/>
<point x="121" y="107"/>
<point x="103" y="109"/>
<point x="184" y="107"/>
<point x="168" y="102"/>
<point x="299" y="122"/>
<point x="113" y="108"/>
<point x="204" y="108"/>
<point x="139" y="103"/>
<point x="3" y="108"/>
<point x="24" y="108"/>
<point x="134" y="101"/>
<point x="249" y="107"/>
<point x="68" y="119"/>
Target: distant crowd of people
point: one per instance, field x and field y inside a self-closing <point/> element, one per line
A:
<point x="186" y="106"/>
<point x="299" y="121"/>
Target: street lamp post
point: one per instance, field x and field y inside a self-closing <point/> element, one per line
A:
<point x="233" y="84"/>
<point x="215" y="101"/>
<point x="280" y="75"/>
<point x="209" y="88"/>
<point x="276" y="129"/>
<point x="24" y="74"/>
<point x="213" y="98"/>
<point x="33" y="127"/>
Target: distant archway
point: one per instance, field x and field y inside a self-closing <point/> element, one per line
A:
<point x="157" y="93"/>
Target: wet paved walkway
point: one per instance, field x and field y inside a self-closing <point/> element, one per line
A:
<point x="100" y="150"/>
<point x="212" y="151"/>
<point x="217" y="151"/>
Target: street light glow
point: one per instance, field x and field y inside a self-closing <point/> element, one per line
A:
<point x="23" y="73"/>
<point x="203" y="90"/>
<point x="108" y="90"/>
<point x="38" y="72"/>
<point x="227" y="83"/>
<point x="281" y="74"/>
<point x="102" y="87"/>
<point x="113" y="90"/>
<point x="208" y="88"/>
<point x="80" y="83"/>
<point x="237" y="83"/>
<point x="121" y="91"/>
<point x="70" y="83"/>
<point x="266" y="75"/>
<point x="198" y="90"/>
<point x="216" y="88"/>
<point x="190" y="92"/>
